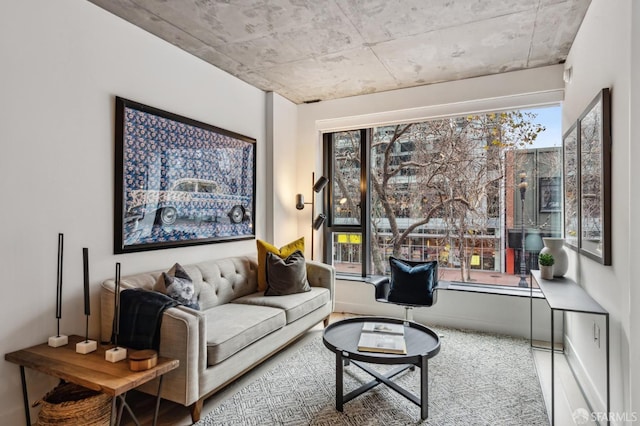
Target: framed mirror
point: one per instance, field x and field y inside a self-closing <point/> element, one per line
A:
<point x="571" y="189"/>
<point x="594" y="162"/>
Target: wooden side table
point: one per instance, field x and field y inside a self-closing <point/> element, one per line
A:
<point x="91" y="371"/>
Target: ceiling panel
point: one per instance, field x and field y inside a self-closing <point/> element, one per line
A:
<point x="307" y="50"/>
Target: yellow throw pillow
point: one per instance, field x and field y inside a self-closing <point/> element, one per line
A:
<point x="284" y="252"/>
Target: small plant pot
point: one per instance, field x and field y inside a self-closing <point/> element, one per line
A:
<point x="546" y="272"/>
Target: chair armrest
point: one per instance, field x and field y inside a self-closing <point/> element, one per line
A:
<point x="382" y="286"/>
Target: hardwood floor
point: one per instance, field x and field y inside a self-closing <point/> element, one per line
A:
<point x="172" y="414"/>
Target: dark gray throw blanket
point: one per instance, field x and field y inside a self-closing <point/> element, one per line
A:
<point x="140" y="318"/>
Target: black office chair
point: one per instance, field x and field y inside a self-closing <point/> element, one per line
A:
<point x="412" y="284"/>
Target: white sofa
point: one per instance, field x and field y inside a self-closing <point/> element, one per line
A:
<point x="236" y="328"/>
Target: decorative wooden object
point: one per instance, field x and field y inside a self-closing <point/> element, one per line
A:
<point x="143" y="360"/>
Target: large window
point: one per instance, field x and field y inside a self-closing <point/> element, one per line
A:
<point x="443" y="189"/>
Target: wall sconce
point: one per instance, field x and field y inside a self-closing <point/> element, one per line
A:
<point x="567" y="74"/>
<point x="319" y="220"/>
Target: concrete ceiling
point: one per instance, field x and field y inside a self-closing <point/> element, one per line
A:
<point x="307" y="50"/>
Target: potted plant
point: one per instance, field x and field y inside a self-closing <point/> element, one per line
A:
<point x="546" y="261"/>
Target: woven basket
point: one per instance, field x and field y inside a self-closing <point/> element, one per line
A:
<point x="73" y="405"/>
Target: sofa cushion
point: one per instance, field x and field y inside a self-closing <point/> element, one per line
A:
<point x="286" y="276"/>
<point x="284" y="251"/>
<point x="232" y="327"/>
<point x="295" y="305"/>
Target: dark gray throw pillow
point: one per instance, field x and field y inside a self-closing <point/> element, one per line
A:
<point x="286" y="276"/>
<point x="412" y="283"/>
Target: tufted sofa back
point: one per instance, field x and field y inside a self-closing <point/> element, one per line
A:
<point x="220" y="281"/>
<point x="216" y="282"/>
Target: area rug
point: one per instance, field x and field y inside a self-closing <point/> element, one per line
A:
<point x="476" y="379"/>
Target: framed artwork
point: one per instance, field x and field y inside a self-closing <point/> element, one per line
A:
<point x="179" y="182"/>
<point x="594" y="141"/>
<point x="549" y="196"/>
<point x="571" y="189"/>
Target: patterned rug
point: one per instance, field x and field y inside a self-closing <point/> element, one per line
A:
<point x="476" y="379"/>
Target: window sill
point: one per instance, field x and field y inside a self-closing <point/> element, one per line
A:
<point x="457" y="286"/>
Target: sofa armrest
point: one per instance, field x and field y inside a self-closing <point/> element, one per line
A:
<point x="181" y="335"/>
<point x="322" y="275"/>
<point x="181" y="331"/>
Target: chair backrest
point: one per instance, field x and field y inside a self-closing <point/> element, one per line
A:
<point x="412" y="283"/>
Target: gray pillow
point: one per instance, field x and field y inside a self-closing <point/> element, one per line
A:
<point x="286" y="276"/>
<point x="178" y="285"/>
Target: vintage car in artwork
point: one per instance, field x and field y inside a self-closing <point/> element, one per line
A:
<point x="189" y="199"/>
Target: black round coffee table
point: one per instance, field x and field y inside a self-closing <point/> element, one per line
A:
<point x="422" y="343"/>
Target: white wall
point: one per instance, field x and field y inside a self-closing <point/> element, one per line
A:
<point x="62" y="64"/>
<point x="634" y="213"/>
<point x="282" y="138"/>
<point x="493" y="313"/>
<point x="601" y="57"/>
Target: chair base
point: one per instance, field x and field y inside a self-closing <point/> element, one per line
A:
<point x="408" y="313"/>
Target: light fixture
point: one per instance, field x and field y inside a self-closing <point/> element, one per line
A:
<point x="317" y="222"/>
<point x="567" y="74"/>
<point x="320" y="184"/>
<point x="522" y="186"/>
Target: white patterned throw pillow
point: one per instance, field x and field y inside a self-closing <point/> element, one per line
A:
<point x="178" y="285"/>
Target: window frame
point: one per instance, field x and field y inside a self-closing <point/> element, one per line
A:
<point x="364" y="227"/>
<point x="365" y="207"/>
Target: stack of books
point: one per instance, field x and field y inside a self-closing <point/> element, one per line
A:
<point x="382" y="337"/>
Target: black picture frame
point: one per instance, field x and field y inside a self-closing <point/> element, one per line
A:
<point x="594" y="148"/>
<point x="550" y="194"/>
<point x="179" y="182"/>
<point x="571" y="180"/>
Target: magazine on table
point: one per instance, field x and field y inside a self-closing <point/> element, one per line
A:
<point x="383" y="338"/>
<point x="383" y="327"/>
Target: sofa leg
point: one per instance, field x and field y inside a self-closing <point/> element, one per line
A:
<point x="326" y="322"/>
<point x="196" y="410"/>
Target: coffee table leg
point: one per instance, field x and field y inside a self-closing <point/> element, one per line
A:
<point x="424" y="387"/>
<point x="339" y="389"/>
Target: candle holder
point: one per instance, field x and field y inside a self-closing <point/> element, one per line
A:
<point x="59" y="339"/>
<point x="87" y="346"/>
<point x="116" y="354"/>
